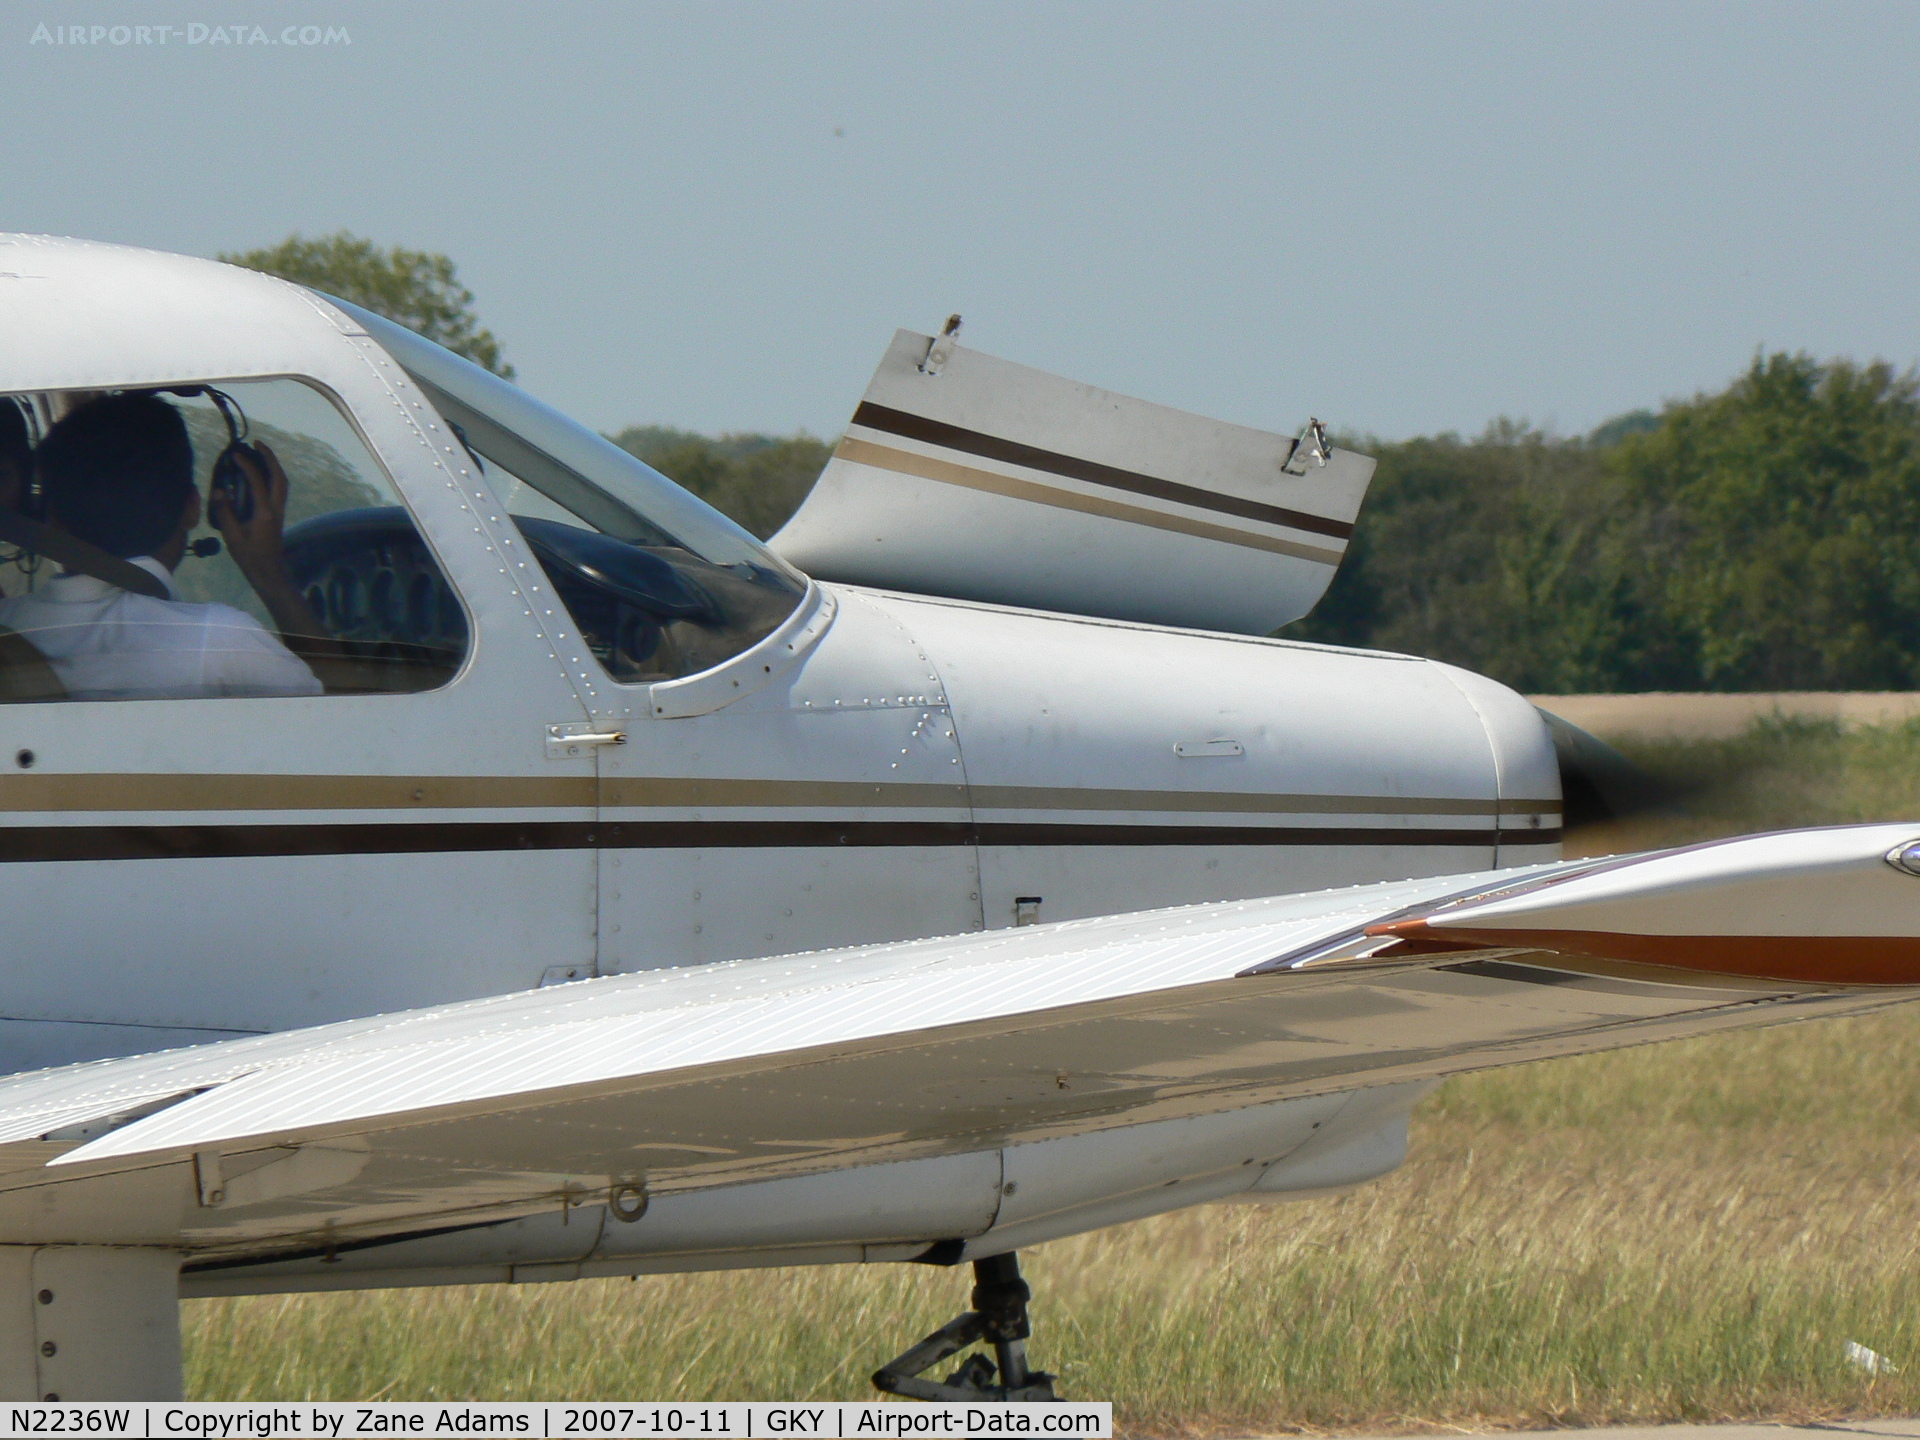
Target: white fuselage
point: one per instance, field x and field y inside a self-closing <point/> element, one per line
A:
<point x="875" y="767"/>
<point x="922" y="769"/>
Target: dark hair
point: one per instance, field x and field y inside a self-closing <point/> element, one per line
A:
<point x="16" y="448"/>
<point x="118" y="472"/>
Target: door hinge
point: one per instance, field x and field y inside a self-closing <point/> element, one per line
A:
<point x="1310" y="451"/>
<point x="940" y="348"/>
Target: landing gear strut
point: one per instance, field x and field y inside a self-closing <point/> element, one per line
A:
<point x="998" y="1316"/>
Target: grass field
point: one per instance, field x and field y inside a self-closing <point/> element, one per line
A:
<point x="1687" y="1231"/>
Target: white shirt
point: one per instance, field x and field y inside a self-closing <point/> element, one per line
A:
<point x="106" y="643"/>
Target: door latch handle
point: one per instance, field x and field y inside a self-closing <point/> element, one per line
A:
<point x="564" y="741"/>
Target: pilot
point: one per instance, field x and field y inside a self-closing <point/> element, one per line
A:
<point x="118" y="474"/>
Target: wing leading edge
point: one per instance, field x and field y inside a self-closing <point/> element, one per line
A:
<point x="685" y="1080"/>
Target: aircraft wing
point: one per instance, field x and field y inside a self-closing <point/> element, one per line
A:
<point x="687" y="1079"/>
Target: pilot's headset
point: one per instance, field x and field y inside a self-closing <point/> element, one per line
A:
<point x="229" y="481"/>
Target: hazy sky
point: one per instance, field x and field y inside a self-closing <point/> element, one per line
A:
<point x="1404" y="218"/>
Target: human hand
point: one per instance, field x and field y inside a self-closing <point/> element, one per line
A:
<point x="255" y="543"/>
<point x="256" y="546"/>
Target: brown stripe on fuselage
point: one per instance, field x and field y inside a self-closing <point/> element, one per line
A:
<point x="1809" y="959"/>
<point x="971" y="477"/>
<point x="30" y="843"/>
<point x="1032" y="457"/>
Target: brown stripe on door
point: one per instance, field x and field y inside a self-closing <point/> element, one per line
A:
<point x="906" y="462"/>
<point x="1032" y="457"/>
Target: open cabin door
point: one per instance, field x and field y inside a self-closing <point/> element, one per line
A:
<point x="968" y="476"/>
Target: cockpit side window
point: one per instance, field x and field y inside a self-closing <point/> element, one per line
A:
<point x="659" y="584"/>
<point x="233" y="538"/>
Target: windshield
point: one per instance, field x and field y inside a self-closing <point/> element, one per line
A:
<point x="660" y="584"/>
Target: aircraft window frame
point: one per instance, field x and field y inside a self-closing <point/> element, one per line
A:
<point x="370" y="466"/>
<point x="595" y="478"/>
<point x="546" y="476"/>
<point x="667" y="589"/>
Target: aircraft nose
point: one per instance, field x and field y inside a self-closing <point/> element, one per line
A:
<point x="1525" y="771"/>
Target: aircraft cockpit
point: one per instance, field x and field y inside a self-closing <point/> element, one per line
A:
<point x="661" y="585"/>
<point x="355" y="601"/>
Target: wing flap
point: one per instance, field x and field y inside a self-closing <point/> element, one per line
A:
<point x="618" y="1033"/>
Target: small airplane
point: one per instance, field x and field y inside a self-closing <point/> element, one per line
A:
<point x="446" y="851"/>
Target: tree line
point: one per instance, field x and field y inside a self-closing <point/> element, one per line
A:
<point x="1762" y="537"/>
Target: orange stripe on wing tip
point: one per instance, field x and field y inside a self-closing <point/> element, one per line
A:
<point x="1810" y="959"/>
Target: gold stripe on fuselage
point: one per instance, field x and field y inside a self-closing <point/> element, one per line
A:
<point x="66" y="793"/>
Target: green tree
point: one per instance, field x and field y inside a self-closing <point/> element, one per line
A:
<point x="413" y="288"/>
<point x="1509" y="554"/>
<point x="1782" y="517"/>
<point x="756" y="480"/>
<point x="1760" y="538"/>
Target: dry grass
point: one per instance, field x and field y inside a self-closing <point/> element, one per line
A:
<point x="1688" y="1231"/>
